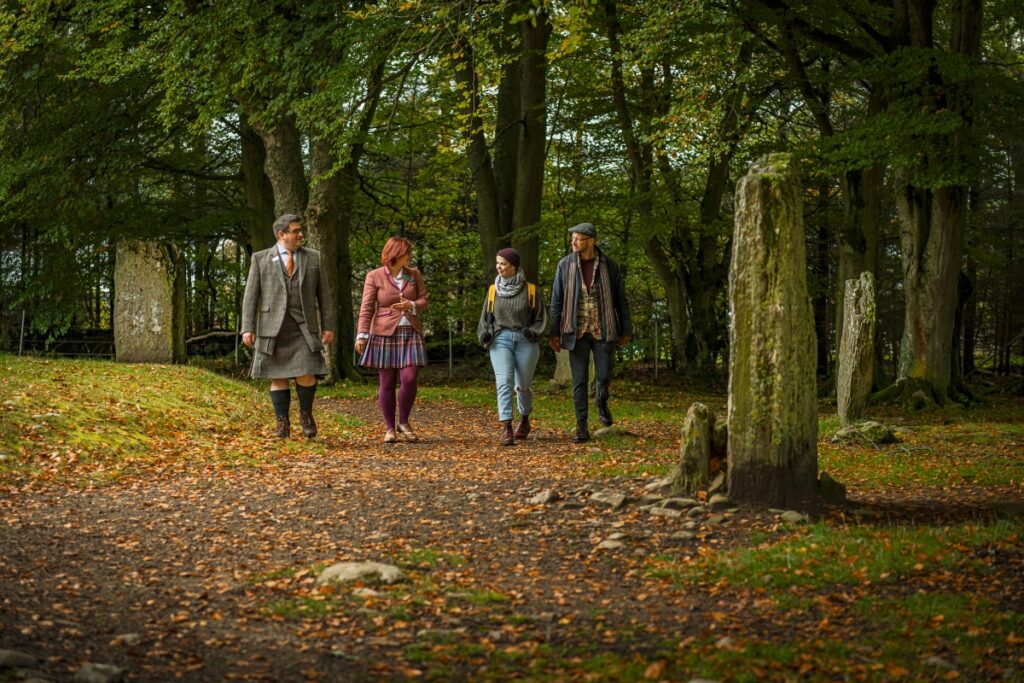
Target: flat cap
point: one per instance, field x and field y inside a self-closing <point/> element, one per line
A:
<point x="584" y="229"/>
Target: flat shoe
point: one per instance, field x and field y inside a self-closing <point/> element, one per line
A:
<point x="389" y="436"/>
<point x="409" y="435"/>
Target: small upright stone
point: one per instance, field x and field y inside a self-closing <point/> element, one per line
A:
<point x="856" y="349"/>
<point x="695" y="450"/>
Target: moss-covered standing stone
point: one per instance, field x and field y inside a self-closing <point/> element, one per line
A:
<point x="856" y="349"/>
<point x="694" y="450"/>
<point x="143" y="303"/>
<point x="772" y="413"/>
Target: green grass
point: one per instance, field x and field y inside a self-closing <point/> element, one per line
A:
<point x="298" y="608"/>
<point x="823" y="556"/>
<point x="430" y="558"/>
<point x="88" y="422"/>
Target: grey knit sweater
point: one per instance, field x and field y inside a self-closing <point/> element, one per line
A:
<point x="513" y="313"/>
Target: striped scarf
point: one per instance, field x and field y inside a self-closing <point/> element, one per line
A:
<point x="605" y="309"/>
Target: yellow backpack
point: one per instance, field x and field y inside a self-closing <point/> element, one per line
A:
<point x="531" y="296"/>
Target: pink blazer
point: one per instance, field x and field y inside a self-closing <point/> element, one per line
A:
<point x="376" y="316"/>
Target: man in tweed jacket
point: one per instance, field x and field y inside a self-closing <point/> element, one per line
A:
<point x="288" y="317"/>
<point x="589" y="314"/>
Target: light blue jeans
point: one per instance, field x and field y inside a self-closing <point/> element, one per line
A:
<point x="514" y="360"/>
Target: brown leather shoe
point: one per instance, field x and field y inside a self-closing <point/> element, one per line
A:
<point x="284" y="428"/>
<point x="308" y="423"/>
<point x="508" y="438"/>
<point x="523" y="427"/>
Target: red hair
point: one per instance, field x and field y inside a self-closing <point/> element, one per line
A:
<point x="396" y="248"/>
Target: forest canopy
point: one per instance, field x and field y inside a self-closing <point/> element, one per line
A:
<point x="471" y="126"/>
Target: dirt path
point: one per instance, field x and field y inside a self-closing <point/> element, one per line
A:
<point x="208" y="575"/>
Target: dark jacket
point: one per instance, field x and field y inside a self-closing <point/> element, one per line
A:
<point x="623" y="321"/>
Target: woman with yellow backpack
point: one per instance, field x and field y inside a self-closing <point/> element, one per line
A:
<point x="511" y="324"/>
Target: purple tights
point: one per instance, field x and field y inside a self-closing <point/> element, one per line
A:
<point x="389" y="377"/>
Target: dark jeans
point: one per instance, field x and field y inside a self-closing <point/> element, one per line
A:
<point x="579" y="364"/>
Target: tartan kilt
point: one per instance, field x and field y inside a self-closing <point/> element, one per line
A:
<point x="291" y="357"/>
<point x="403" y="348"/>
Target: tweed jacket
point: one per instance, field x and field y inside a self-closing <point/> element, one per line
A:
<point x="265" y="303"/>
<point x="624" y="322"/>
<point x="376" y="317"/>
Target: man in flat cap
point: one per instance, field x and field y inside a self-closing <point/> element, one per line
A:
<point x="589" y="314"/>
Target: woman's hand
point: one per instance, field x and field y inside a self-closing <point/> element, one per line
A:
<point x="402" y="305"/>
<point x="360" y="345"/>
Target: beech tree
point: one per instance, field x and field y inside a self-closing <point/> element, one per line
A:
<point x="923" y="124"/>
<point x="508" y="182"/>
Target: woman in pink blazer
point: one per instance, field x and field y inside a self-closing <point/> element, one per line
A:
<point x="390" y="333"/>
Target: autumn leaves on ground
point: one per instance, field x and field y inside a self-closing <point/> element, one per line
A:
<point x="148" y="521"/>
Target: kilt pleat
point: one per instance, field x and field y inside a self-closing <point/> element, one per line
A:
<point x="291" y="357"/>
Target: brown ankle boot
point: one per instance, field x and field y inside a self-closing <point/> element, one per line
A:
<point x="507" y="437"/>
<point x="284" y="428"/>
<point x="308" y="423"/>
<point x="523" y="427"/>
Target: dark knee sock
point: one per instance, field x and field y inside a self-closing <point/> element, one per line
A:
<point x="282" y="399"/>
<point x="305" y="395"/>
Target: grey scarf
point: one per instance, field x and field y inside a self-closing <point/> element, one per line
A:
<point x="509" y="286"/>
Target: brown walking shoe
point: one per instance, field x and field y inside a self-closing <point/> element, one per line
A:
<point x="507" y="437"/>
<point x="523" y="427"/>
<point x="284" y="428"/>
<point x="308" y="423"/>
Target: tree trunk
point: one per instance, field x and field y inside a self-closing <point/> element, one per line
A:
<point x="179" y="349"/>
<point x="533" y="138"/>
<point x="932" y="242"/>
<point x="259" y="193"/>
<point x="322" y="226"/>
<point x="675" y="300"/>
<point x="508" y="128"/>
<point x="859" y="235"/>
<point x="932" y="221"/>
<point x="970" y="320"/>
<point x="488" y="217"/>
<point x="772" y="406"/>
<point x="348" y="186"/>
<point x="284" y="166"/>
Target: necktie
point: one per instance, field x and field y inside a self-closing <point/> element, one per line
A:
<point x="289" y="265"/>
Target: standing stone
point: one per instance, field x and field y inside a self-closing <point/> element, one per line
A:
<point x="856" y="349"/>
<point x="695" y="450"/>
<point x="563" y="374"/>
<point x="772" y="413"/>
<point x="145" y="321"/>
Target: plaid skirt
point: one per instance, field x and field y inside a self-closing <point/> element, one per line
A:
<point x="403" y="348"/>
